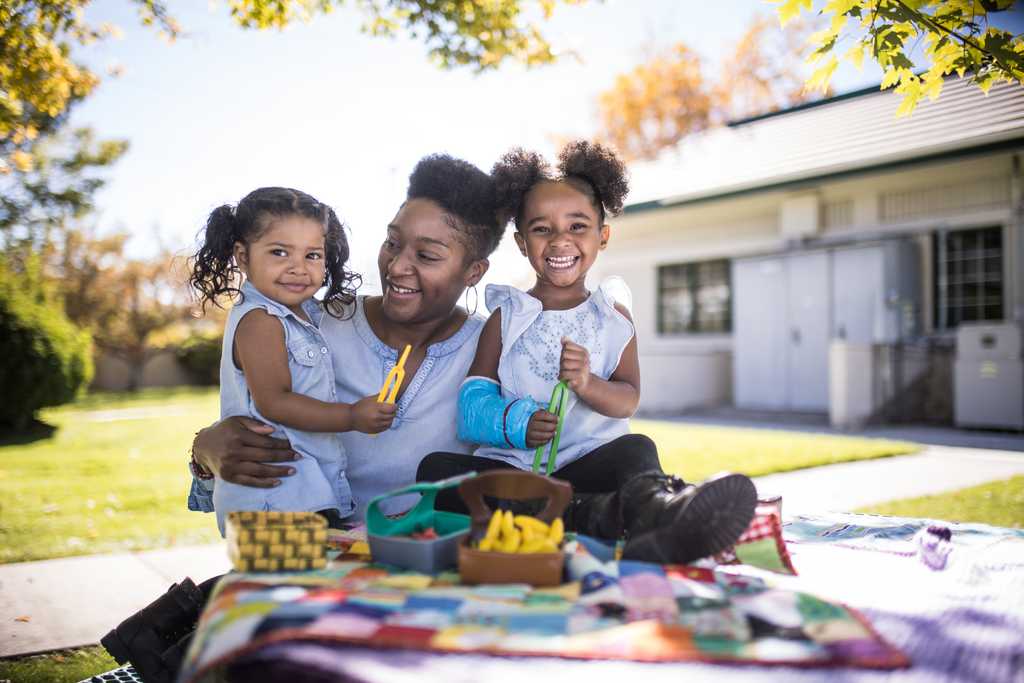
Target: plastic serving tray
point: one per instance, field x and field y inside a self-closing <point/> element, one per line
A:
<point x="389" y="536"/>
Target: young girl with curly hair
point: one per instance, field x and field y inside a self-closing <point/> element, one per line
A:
<point x="284" y="246"/>
<point x="559" y="330"/>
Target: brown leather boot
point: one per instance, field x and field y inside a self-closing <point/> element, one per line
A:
<point x="670" y="522"/>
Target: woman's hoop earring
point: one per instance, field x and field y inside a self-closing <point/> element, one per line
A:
<point x="476" y="299"/>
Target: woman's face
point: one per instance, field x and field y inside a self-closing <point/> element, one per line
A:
<point x="423" y="266"/>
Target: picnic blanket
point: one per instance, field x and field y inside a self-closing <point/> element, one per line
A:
<point x="626" y="611"/>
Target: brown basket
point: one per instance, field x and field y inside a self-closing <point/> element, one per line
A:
<point x="538" y="569"/>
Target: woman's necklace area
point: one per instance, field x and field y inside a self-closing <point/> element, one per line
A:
<point x="391" y="334"/>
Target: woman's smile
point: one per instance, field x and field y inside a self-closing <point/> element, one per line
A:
<point x="400" y="291"/>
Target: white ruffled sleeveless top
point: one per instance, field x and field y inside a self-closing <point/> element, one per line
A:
<point x="530" y="350"/>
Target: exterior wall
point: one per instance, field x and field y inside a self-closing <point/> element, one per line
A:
<point x="161" y="369"/>
<point x="682" y="371"/>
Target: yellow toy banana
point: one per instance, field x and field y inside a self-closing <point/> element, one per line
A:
<point x="508" y="533"/>
<point x="557" y="532"/>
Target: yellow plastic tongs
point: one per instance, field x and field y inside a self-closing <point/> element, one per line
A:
<point x="394" y="380"/>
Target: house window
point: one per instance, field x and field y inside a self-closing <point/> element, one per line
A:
<point x="695" y="297"/>
<point x="969" y="276"/>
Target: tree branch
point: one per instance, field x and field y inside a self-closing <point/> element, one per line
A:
<point x="929" y="22"/>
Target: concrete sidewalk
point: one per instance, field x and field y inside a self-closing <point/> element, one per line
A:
<point x="75" y="601"/>
<point x="852" y="485"/>
<point x="72" y="601"/>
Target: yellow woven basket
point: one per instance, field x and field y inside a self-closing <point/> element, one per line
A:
<point x="276" y="541"/>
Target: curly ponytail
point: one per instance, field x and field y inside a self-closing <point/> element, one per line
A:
<point x="214" y="272"/>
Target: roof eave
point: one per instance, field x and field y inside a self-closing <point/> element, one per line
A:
<point x="1016" y="140"/>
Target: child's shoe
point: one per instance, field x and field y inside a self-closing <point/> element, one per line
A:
<point x="670" y="522"/>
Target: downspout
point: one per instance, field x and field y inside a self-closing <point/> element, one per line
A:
<point x="1016" y="235"/>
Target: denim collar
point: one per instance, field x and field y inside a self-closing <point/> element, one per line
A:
<point x="313" y="308"/>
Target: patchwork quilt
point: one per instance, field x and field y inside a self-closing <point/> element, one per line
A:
<point x="607" y="610"/>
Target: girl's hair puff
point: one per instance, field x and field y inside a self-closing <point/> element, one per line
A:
<point x="602" y="170"/>
<point x="593" y="169"/>
<point x="514" y="175"/>
<point x="467" y="196"/>
<point x="215" y="273"/>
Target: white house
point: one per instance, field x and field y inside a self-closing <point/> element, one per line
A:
<point x="766" y="255"/>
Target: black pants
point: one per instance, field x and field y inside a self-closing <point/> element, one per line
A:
<point x="603" y="470"/>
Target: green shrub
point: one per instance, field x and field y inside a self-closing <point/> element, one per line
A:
<point x="200" y="354"/>
<point x="44" y="359"/>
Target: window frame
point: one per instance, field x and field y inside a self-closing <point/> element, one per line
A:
<point x="941" y="293"/>
<point x="691" y="271"/>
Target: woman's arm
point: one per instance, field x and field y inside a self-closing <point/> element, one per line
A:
<point x="238" y="450"/>
<point x="259" y="349"/>
<point x="619" y="395"/>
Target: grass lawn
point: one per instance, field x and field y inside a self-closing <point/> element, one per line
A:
<point x="695" y="452"/>
<point x="67" y="666"/>
<point x="999" y="503"/>
<point x="113" y="476"/>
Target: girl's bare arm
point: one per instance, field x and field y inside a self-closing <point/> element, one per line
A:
<point x="259" y="350"/>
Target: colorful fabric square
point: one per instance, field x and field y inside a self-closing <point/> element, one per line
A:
<point x="762" y="545"/>
<point x="608" y="610"/>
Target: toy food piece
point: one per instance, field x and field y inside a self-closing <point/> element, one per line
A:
<point x="427" y="534"/>
<point x="276" y="541"/>
<point x="520" y="534"/>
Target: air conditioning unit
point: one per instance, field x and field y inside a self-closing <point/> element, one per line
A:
<point x="988" y="376"/>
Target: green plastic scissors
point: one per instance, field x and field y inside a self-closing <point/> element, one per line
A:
<point x="559" y="402"/>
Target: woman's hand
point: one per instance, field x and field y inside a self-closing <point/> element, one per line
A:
<point x="574" y="366"/>
<point x="237" y="449"/>
<point x="541" y="428"/>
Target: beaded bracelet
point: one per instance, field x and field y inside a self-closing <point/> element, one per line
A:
<point x="198" y="470"/>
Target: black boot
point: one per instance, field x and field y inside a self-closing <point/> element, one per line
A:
<point x="670" y="522"/>
<point x="595" y="514"/>
<point x="152" y="638"/>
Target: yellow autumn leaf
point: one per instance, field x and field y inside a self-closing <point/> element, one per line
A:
<point x="891" y="77"/>
<point x="932" y="83"/>
<point x="908" y="104"/>
<point x="839" y="6"/>
<point x="21" y="160"/>
<point x="856" y="56"/>
<point x="986" y="85"/>
<point x="819" y="80"/>
<point x="790" y="9"/>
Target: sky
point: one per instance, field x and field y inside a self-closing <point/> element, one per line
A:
<point x="344" y="116"/>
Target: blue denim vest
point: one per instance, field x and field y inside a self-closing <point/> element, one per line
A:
<point x="319" y="482"/>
